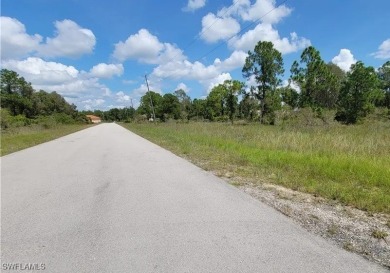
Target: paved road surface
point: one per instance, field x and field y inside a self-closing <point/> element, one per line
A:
<point x="106" y="200"/>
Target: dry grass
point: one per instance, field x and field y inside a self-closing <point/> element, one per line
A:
<point x="16" y="139"/>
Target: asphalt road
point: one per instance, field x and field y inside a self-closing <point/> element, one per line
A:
<point x="106" y="200"/>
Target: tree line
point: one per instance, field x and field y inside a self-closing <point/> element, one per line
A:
<point x="22" y="105"/>
<point x="313" y="84"/>
<point x="321" y="86"/>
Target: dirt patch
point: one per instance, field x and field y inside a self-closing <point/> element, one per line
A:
<point x="349" y="228"/>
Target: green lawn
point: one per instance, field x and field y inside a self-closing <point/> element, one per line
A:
<point x="16" y="139"/>
<point x="350" y="164"/>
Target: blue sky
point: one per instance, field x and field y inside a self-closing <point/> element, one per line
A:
<point x="96" y="53"/>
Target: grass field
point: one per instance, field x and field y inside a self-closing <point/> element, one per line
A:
<point x="16" y="139"/>
<point x="350" y="164"/>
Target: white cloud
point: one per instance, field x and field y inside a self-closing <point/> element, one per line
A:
<point x="193" y="5"/>
<point x="146" y="48"/>
<point x="266" y="10"/>
<point x="236" y="60"/>
<point x="383" y="50"/>
<point x="217" y="28"/>
<point x="265" y="32"/>
<point x="183" y="87"/>
<point x="170" y="53"/>
<point x="40" y="72"/>
<point x="197" y="70"/>
<point x="15" y="42"/>
<point x="91" y="104"/>
<point x="142" y="45"/>
<point x="122" y="97"/>
<point x="103" y="70"/>
<point x="76" y="86"/>
<point x="344" y="60"/>
<point x="217" y="80"/>
<point x="70" y="41"/>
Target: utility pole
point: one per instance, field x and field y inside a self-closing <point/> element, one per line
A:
<point x="150" y="97"/>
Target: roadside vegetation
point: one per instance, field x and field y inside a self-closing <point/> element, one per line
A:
<point x="30" y="117"/>
<point x="21" y="138"/>
<point x="331" y="138"/>
<point x="350" y="164"/>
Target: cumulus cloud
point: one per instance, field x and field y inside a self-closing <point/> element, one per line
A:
<point x="260" y="11"/>
<point x="70" y="40"/>
<point x="183" y="87"/>
<point x="169" y="53"/>
<point x="171" y="62"/>
<point x="217" y="80"/>
<point x="193" y="5"/>
<point x="235" y="60"/>
<point x="40" y="72"/>
<point x="266" y="32"/>
<point x="265" y="10"/>
<point x="103" y="70"/>
<point x="218" y="28"/>
<point x="383" y="50"/>
<point x="15" y="42"/>
<point x="344" y="59"/>
<point x="142" y="45"/>
<point x="197" y="70"/>
<point x="76" y="86"/>
<point x="122" y="97"/>
<point x="146" y="48"/>
<point x="91" y="104"/>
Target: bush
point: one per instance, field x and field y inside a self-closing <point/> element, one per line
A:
<point x="305" y="117"/>
<point x="62" y="118"/>
<point x="53" y="120"/>
<point x="9" y="121"/>
<point x="5" y="119"/>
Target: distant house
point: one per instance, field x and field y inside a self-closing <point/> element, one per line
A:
<point x="94" y="119"/>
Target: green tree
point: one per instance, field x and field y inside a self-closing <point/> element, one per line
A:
<point x="198" y="109"/>
<point x="185" y="103"/>
<point x="170" y="107"/>
<point x="248" y="106"/>
<point x="289" y="96"/>
<point x="265" y="65"/>
<point x="318" y="84"/>
<point x="216" y="103"/>
<point x="358" y="94"/>
<point x="337" y="71"/>
<point x="12" y="83"/>
<point x="17" y="105"/>
<point x="146" y="102"/>
<point x="233" y="89"/>
<point x="384" y="77"/>
<point x="15" y="93"/>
